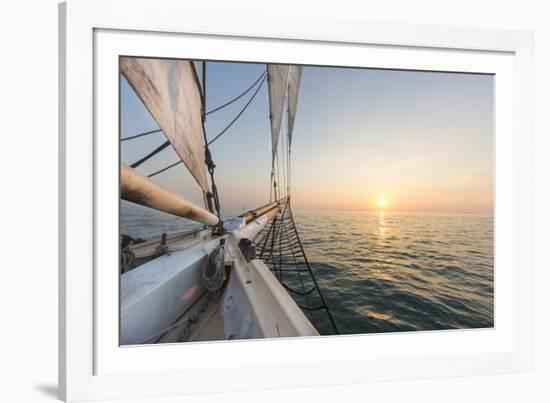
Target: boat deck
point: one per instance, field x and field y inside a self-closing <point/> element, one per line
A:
<point x="202" y="322"/>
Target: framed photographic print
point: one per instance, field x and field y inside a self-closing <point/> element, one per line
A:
<point x="345" y="202"/>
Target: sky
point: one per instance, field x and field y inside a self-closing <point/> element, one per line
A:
<point x="410" y="140"/>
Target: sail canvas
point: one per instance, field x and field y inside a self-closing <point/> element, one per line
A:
<point x="277" y="83"/>
<point x="170" y="91"/>
<point x="294" y="77"/>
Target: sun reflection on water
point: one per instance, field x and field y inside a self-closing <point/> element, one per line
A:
<point x="382" y="228"/>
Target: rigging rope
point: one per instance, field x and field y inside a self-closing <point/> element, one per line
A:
<point x="237" y="97"/>
<point x="203" y="98"/>
<point x="288" y="155"/>
<point x="239" y="114"/>
<point x="214" y="194"/>
<point x="164" y="169"/>
<point x="141" y="135"/>
<point x="280" y="247"/>
<point x="278" y="173"/>
<point x="271" y="187"/>
<point x="152" y="153"/>
<point x="288" y="173"/>
<point x="284" y="164"/>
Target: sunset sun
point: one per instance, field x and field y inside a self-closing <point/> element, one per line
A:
<point x="381" y="202"/>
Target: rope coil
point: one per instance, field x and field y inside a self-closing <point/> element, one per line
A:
<point x="213" y="270"/>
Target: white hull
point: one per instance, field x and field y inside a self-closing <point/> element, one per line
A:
<point x="158" y="292"/>
<point x="253" y="305"/>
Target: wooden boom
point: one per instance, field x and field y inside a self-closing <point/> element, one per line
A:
<point x="136" y="188"/>
<point x="253" y="214"/>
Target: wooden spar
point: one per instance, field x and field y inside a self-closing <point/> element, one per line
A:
<point x="252" y="214"/>
<point x="139" y="189"/>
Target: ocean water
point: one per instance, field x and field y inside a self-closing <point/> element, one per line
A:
<point x="388" y="272"/>
<point x="384" y="271"/>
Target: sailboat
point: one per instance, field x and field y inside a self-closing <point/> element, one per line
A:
<point x="245" y="277"/>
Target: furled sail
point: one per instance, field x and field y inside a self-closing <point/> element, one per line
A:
<point x="278" y="78"/>
<point x="294" y="77"/>
<point x="170" y="91"/>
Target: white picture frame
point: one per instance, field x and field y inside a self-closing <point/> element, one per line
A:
<point x="93" y="366"/>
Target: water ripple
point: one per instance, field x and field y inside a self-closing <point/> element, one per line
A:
<point x="400" y="272"/>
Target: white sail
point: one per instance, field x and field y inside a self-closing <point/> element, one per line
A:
<point x="170" y="91"/>
<point x="294" y="77"/>
<point x="277" y="83"/>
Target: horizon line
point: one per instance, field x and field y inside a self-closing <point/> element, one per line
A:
<point x="370" y="210"/>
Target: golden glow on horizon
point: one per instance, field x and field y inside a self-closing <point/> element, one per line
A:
<point x="381" y="202"/>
